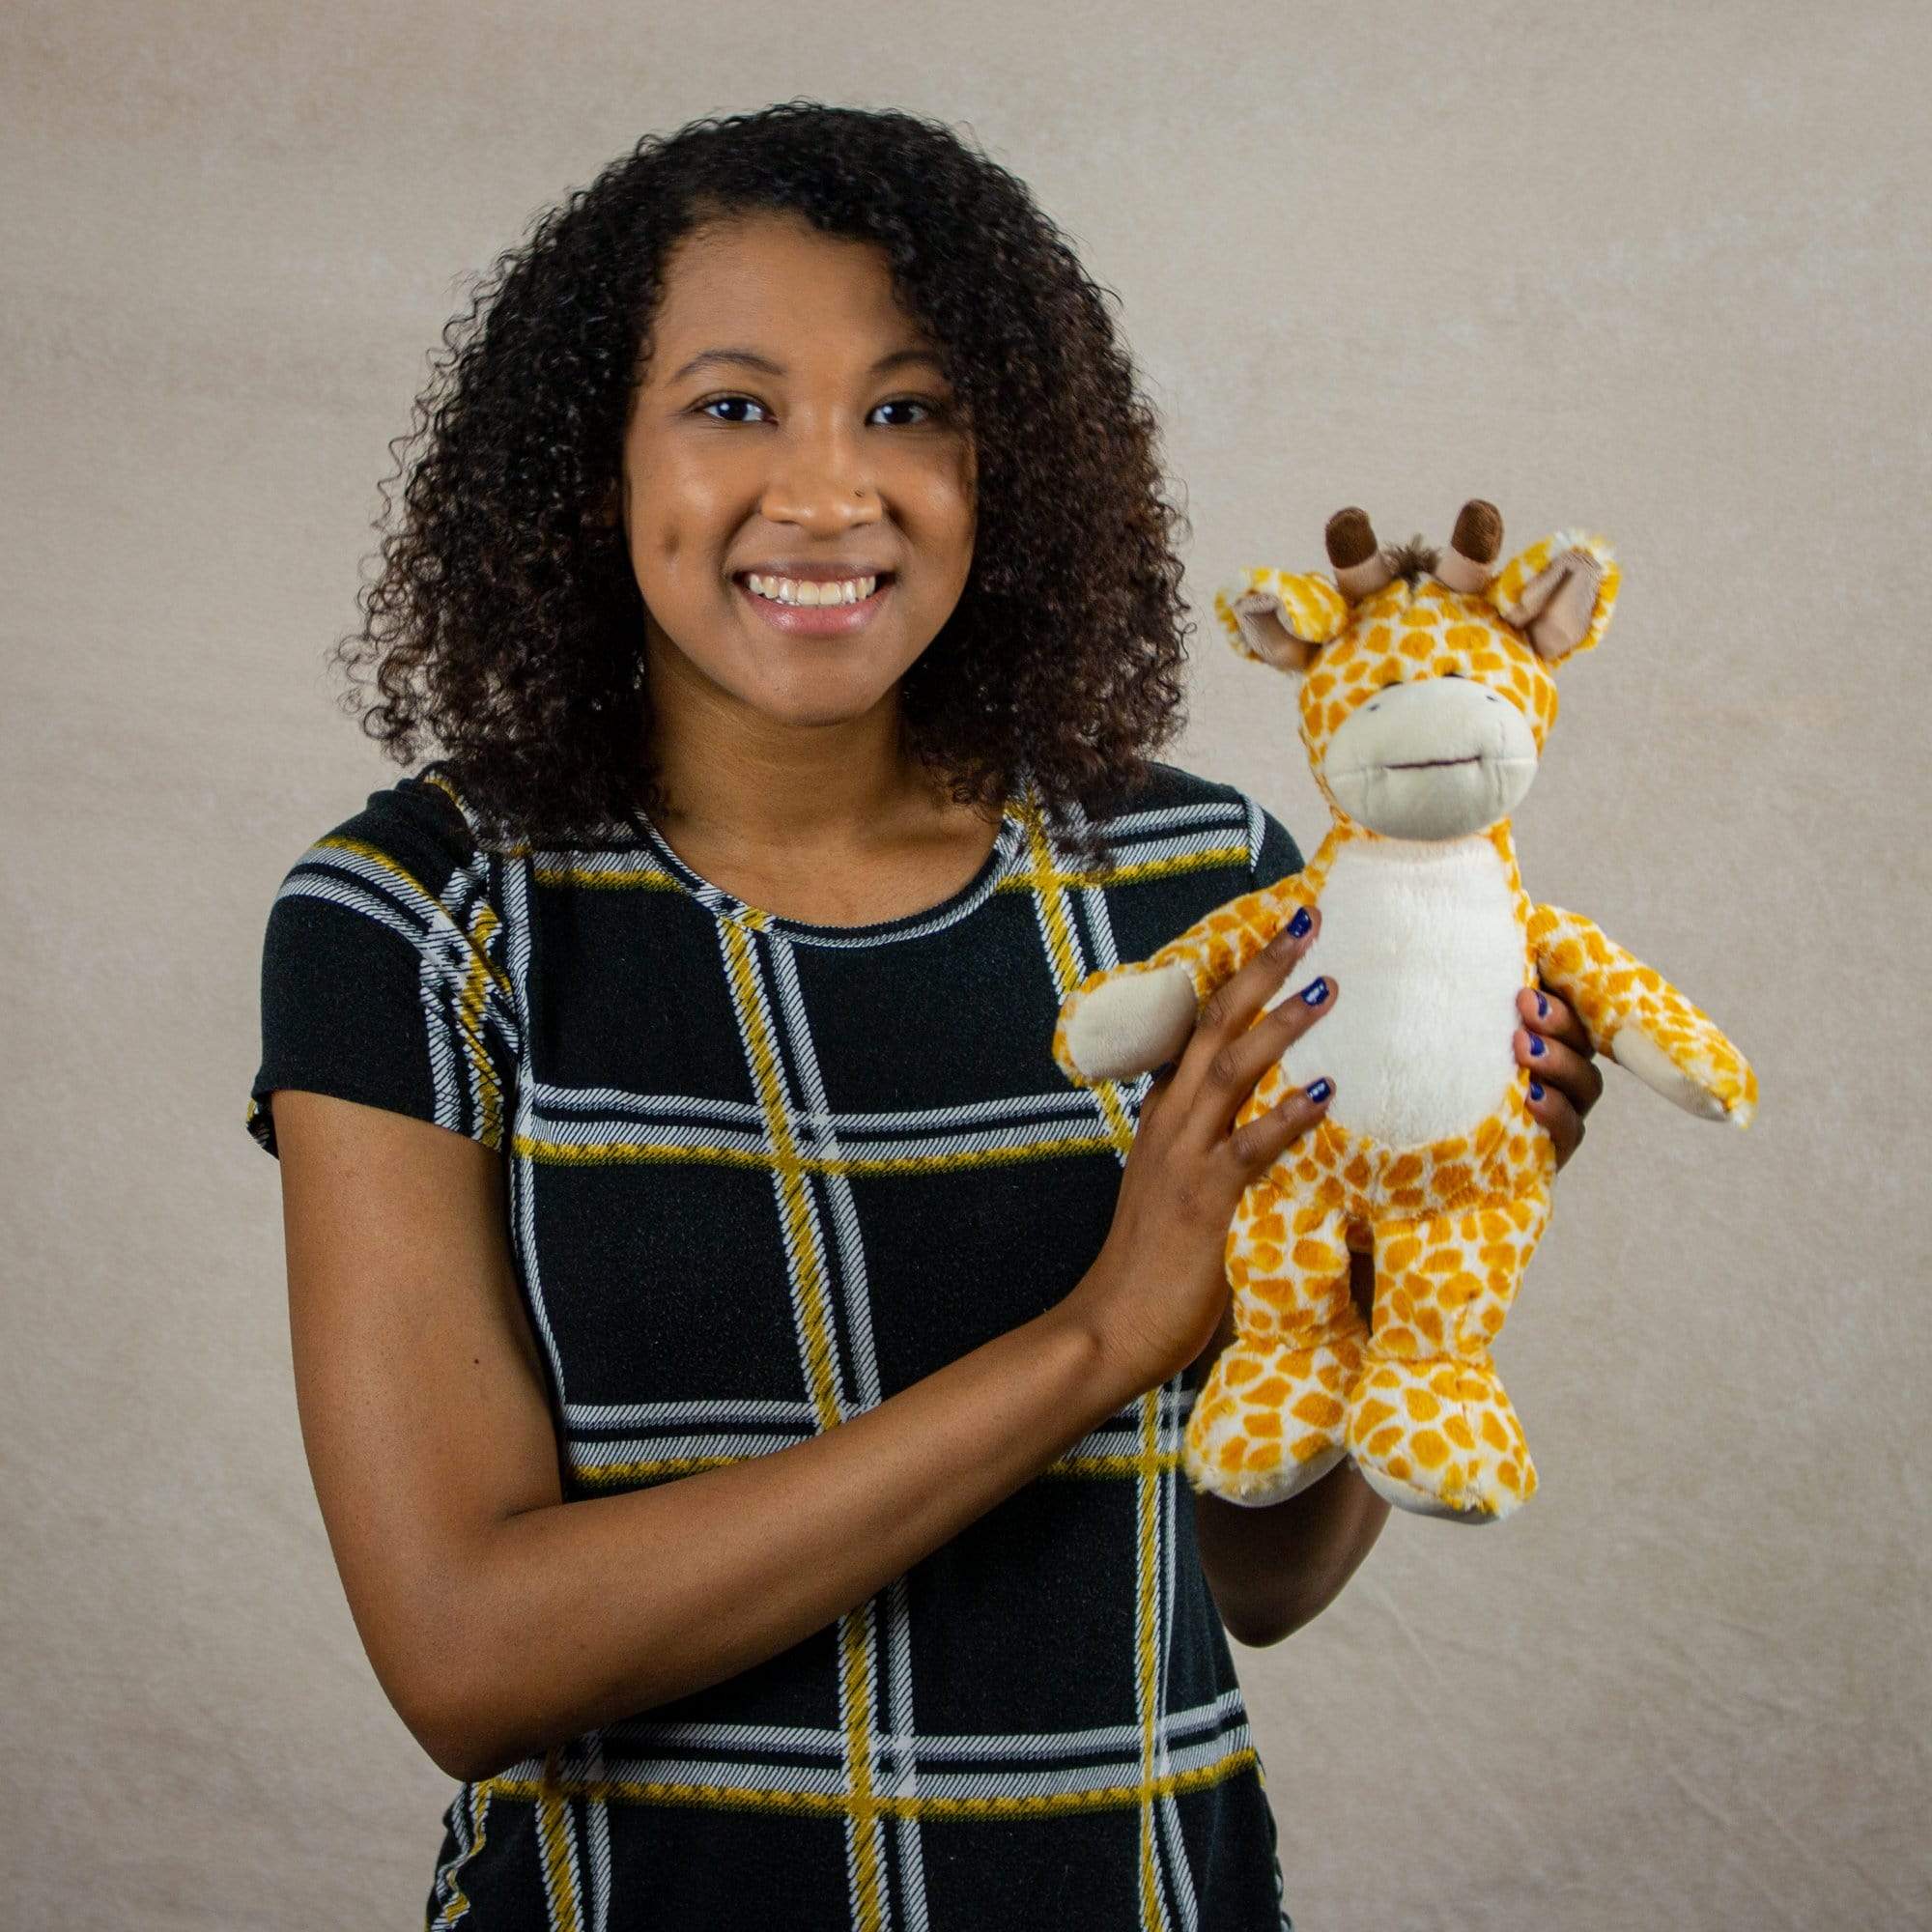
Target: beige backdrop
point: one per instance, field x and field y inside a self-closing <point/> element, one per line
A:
<point x="1656" y="269"/>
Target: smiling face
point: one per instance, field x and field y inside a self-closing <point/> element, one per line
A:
<point x="1425" y="718"/>
<point x="794" y="421"/>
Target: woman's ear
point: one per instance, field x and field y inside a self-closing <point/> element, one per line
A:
<point x="1281" y="620"/>
<point x="1559" y="593"/>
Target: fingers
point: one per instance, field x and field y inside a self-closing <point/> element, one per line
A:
<point x="1253" y="1146"/>
<point x="1545" y="1012"/>
<point x="1565" y="1080"/>
<point x="1240" y="1061"/>
<point x="1564" y="1124"/>
<point x="1236" y="1041"/>
<point x="1559" y="1067"/>
<point x="1232" y="1010"/>
<point x="1234" y="1004"/>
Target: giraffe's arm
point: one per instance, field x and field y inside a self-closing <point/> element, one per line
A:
<point x="1642" y="1020"/>
<point x="1123" y="1020"/>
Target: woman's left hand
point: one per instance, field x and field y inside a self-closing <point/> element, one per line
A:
<point x="1552" y="1044"/>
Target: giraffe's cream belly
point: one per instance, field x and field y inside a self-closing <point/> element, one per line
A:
<point x="1428" y="949"/>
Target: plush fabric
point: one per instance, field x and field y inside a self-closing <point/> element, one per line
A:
<point x="1424" y="711"/>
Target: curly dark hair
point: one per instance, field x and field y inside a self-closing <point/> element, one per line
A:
<point x="505" y="620"/>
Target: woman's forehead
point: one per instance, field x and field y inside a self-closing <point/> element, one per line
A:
<point x="777" y="287"/>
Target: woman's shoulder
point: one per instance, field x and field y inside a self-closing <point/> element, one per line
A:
<point x="384" y="973"/>
<point x="420" y="825"/>
<point x="1178" y="804"/>
<point x="1167" y="785"/>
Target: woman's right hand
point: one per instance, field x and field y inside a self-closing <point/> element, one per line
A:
<point x="1157" y="1289"/>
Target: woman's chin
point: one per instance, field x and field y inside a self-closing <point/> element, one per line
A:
<point x="818" y="698"/>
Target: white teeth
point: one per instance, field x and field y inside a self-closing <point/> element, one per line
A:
<point x="803" y="592"/>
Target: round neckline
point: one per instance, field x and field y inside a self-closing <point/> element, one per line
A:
<point x="946" y="912"/>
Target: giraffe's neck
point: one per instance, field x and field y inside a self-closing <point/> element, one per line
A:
<point x="1427" y="942"/>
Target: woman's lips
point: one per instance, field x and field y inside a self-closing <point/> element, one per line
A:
<point x="817" y="620"/>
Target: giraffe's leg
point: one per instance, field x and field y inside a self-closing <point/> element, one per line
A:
<point x="1269" y="1420"/>
<point x="1429" y="1424"/>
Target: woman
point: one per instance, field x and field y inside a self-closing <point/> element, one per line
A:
<point x="749" y="1439"/>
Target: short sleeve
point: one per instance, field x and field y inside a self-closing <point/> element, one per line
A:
<point x="384" y="973"/>
<point x="1276" y="854"/>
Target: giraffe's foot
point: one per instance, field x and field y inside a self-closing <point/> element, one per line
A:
<point x="1438" y="1435"/>
<point x="1271" y="1418"/>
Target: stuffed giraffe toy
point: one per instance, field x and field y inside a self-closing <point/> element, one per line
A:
<point x="1426" y="695"/>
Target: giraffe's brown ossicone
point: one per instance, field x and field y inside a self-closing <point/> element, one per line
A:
<point x="1479" y="531"/>
<point x="1473" y="547"/>
<point x="1351" y="538"/>
<point x="1360" y="568"/>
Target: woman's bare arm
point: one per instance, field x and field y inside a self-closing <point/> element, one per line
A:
<point x="499" y="1619"/>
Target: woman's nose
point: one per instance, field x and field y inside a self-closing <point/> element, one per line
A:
<point x="819" y="479"/>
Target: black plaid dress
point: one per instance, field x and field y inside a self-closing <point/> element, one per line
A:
<point x="764" y="1174"/>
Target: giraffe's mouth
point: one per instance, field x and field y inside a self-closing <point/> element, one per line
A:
<point x="1438" y="758"/>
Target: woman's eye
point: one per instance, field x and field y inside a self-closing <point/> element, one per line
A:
<point x="909" y="403"/>
<point x="717" y="402"/>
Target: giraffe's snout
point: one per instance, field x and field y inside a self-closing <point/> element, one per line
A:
<point x="1431" y="759"/>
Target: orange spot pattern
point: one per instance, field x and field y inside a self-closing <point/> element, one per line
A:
<point x="1611" y="989"/>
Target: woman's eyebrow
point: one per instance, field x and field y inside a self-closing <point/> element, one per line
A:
<point x="752" y="360"/>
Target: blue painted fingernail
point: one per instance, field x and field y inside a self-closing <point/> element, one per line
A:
<point x="1535" y="1047"/>
<point x="1536" y="1090"/>
<point x="1541" y="1008"/>
<point x="1299" y="923"/>
<point x="1317" y="993"/>
<point x="1319" y="1091"/>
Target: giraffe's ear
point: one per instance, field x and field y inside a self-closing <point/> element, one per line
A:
<point x="1281" y="620"/>
<point x="1559" y="593"/>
